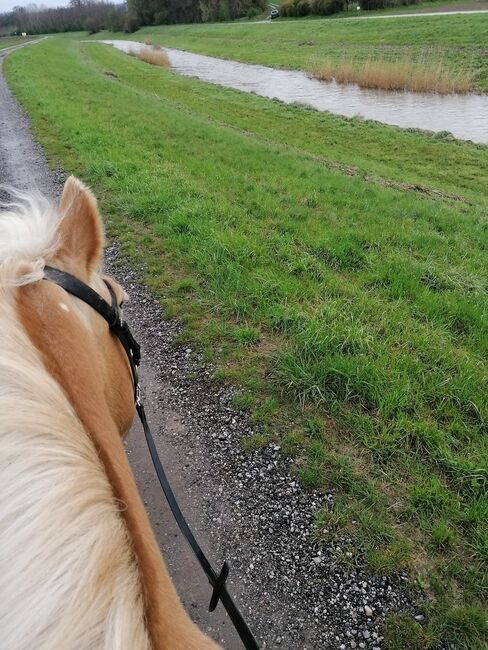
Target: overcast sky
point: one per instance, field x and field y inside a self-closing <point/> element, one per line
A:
<point x="6" y="5"/>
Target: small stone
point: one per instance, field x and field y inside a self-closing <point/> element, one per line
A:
<point x="368" y="611"/>
<point x="419" y="618"/>
<point x="317" y="559"/>
<point x="278" y="640"/>
<point x="353" y="644"/>
<point x="366" y="634"/>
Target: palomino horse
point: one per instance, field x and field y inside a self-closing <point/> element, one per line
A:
<point x="79" y="565"/>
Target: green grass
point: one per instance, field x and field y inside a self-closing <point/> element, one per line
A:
<point x="459" y="42"/>
<point x="351" y="308"/>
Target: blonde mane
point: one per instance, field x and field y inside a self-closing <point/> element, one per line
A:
<point x="67" y="574"/>
<point x="28" y="235"/>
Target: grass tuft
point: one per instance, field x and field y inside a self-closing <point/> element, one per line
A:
<point x="253" y="442"/>
<point x="403" y="633"/>
<point x="443" y="537"/>
<point x="467" y="627"/>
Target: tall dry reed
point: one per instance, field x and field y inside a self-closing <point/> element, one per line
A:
<point x="153" y="55"/>
<point x="395" y="75"/>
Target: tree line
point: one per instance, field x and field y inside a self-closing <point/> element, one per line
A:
<point x="157" y="12"/>
<point x="93" y="15"/>
<point x="80" y="15"/>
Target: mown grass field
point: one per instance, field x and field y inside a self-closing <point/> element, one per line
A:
<point x="458" y="42"/>
<point x="334" y="269"/>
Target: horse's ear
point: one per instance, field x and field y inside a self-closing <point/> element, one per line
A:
<point x="80" y="230"/>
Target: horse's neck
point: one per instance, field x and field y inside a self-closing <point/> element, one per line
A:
<point x="130" y="567"/>
<point x="67" y="573"/>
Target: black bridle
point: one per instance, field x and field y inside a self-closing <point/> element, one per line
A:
<point x="119" y="327"/>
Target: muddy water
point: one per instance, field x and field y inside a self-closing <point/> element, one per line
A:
<point x="465" y="116"/>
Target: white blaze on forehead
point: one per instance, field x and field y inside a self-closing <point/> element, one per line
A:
<point x="63" y="306"/>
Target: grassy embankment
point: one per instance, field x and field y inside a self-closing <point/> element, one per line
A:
<point x="456" y="44"/>
<point x="326" y="266"/>
<point x="10" y="41"/>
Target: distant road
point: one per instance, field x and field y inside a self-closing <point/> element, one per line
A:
<point x="418" y="14"/>
<point x="446" y="12"/>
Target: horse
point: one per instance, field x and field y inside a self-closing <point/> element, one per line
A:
<point x="80" y="567"/>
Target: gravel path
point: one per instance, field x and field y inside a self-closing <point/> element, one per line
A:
<point x="22" y="162"/>
<point x="420" y="14"/>
<point x="448" y="10"/>
<point x="246" y="508"/>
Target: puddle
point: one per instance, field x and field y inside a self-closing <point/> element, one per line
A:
<point x="465" y="116"/>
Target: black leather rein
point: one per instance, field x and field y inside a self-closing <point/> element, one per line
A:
<point x="119" y="327"/>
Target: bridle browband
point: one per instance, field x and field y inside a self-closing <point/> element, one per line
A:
<point x="119" y="327"/>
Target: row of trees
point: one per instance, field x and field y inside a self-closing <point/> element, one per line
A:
<point x="93" y="15"/>
<point x="80" y="15"/>
<point x="157" y="12"/>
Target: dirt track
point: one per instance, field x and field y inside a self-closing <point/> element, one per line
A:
<point x="249" y="508"/>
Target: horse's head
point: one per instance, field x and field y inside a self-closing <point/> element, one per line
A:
<point x="94" y="572"/>
<point x="75" y="342"/>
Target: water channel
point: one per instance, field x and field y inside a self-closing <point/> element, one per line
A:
<point x="465" y="116"/>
